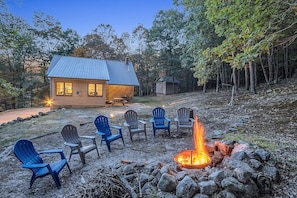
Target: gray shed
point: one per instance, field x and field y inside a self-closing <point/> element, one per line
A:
<point x="167" y="85"/>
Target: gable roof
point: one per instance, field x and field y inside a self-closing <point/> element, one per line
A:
<point x="168" y="79"/>
<point x="114" y="72"/>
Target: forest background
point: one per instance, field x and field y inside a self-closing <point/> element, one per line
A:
<point x="211" y="44"/>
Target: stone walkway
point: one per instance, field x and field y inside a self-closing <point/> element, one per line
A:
<point x="12" y="114"/>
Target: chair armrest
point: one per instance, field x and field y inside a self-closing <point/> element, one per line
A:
<point x="60" y="151"/>
<point x="168" y="119"/>
<point x="126" y="124"/>
<point x="152" y="120"/>
<point x="142" y="122"/>
<point x="70" y="144"/>
<point x="34" y="165"/>
<point x="176" y="119"/>
<point x="191" y="119"/>
<point x="100" y="133"/>
<point x="87" y="137"/>
<point x="51" y="151"/>
<point x="116" y="127"/>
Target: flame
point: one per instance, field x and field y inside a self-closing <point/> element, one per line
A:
<point x="199" y="157"/>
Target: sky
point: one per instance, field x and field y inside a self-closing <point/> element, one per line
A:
<point x="84" y="16"/>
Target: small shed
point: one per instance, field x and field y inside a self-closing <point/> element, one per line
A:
<point x="167" y="85"/>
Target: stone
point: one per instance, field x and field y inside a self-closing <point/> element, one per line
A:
<point x="232" y="185"/>
<point x="263" y="154"/>
<point x="165" y="195"/>
<point x="143" y="178"/>
<point x="242" y="175"/>
<point x="216" y="158"/>
<point x="250" y="189"/>
<point x="217" y="177"/>
<point x="208" y="187"/>
<point x="180" y="175"/>
<point x="148" y="188"/>
<point x="272" y="173"/>
<point x="223" y="148"/>
<point x="129" y="169"/>
<point x="239" y="147"/>
<point x="255" y="164"/>
<point x="199" y="195"/>
<point x="167" y="183"/>
<point x="187" y="187"/>
<point x="225" y="194"/>
<point x="232" y="164"/>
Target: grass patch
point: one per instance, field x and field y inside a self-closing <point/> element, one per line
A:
<point x="145" y="100"/>
<point x="259" y="141"/>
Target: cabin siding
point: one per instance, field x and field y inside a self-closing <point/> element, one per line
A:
<point x="119" y="91"/>
<point x="79" y="96"/>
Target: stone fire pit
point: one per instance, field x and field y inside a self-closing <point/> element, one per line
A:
<point x="236" y="170"/>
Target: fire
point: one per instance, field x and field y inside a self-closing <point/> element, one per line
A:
<point x="199" y="157"/>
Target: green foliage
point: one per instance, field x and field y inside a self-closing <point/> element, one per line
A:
<point x="7" y="90"/>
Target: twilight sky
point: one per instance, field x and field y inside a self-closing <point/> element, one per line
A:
<point x="85" y="15"/>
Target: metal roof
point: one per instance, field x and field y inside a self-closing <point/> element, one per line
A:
<point x="168" y="79"/>
<point x="121" y="73"/>
<point x="76" y="67"/>
<point x="114" y="72"/>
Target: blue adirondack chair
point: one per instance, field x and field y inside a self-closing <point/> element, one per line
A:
<point x="104" y="130"/>
<point x="159" y="121"/>
<point x="26" y="153"/>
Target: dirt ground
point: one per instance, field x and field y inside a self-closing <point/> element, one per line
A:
<point x="268" y="119"/>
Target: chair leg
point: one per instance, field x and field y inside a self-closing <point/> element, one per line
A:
<point x="97" y="151"/>
<point x="55" y="176"/>
<point x="82" y="157"/>
<point x="32" y="181"/>
<point x="131" y="138"/>
<point x="68" y="167"/>
<point x="108" y="145"/>
<point x="70" y="156"/>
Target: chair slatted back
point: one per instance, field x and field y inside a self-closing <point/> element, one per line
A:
<point x="26" y="153"/>
<point x="183" y="115"/>
<point x="131" y="118"/>
<point x="70" y="134"/>
<point x="102" y="125"/>
<point x="159" y="116"/>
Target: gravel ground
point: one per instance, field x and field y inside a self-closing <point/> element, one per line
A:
<point x="267" y="119"/>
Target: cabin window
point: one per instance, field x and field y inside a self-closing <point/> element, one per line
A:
<point x="95" y="89"/>
<point x="64" y="89"/>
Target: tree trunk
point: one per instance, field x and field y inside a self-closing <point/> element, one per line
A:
<point x="286" y="68"/>
<point x="238" y="78"/>
<point x="204" y="88"/>
<point x="270" y="67"/>
<point x="264" y="71"/>
<point x="255" y="74"/>
<point x="276" y="66"/>
<point x="218" y="80"/>
<point x="234" y="81"/>
<point x="246" y="76"/>
<point x="252" y="78"/>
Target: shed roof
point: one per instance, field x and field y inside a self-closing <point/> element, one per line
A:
<point x="168" y="79"/>
<point x="114" y="72"/>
